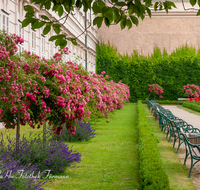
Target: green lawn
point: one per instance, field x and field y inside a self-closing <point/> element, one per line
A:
<point x="109" y="161"/>
<point x="176" y="171"/>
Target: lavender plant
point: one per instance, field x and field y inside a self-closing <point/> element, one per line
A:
<point x="84" y="132"/>
<point x="54" y="156"/>
<point x="15" y="176"/>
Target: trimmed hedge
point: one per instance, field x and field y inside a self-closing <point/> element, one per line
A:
<point x="192" y="105"/>
<point x="171" y="72"/>
<point x="170" y="102"/>
<point x="151" y="171"/>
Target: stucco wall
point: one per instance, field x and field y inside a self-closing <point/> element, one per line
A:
<point x="165" y="31"/>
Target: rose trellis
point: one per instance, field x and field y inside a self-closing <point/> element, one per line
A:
<point x="191" y="90"/>
<point x="34" y="90"/>
<point x="155" y="89"/>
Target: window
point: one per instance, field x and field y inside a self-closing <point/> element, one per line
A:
<point x="84" y="63"/>
<point x="89" y="67"/>
<point x="33" y="41"/>
<point x="51" y="50"/>
<point x="74" y="57"/>
<point x="42" y="46"/>
<point x="5" y="21"/>
<point x="21" y="34"/>
<point x="94" y="68"/>
<point x="64" y="58"/>
<point x="69" y="56"/>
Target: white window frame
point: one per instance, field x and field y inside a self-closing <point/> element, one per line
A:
<point x="94" y="67"/>
<point x="33" y="41"/>
<point x="89" y="66"/>
<point x="21" y="34"/>
<point x="42" y="46"/>
<point x="69" y="55"/>
<point x="74" y="57"/>
<point x="84" y="63"/>
<point x="51" y="49"/>
<point x="6" y="25"/>
<point x="81" y="61"/>
<point x="64" y="58"/>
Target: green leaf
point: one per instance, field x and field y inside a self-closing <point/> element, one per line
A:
<point x="192" y="2"/>
<point x="101" y="4"/>
<point x="109" y="15"/>
<point x="85" y="5"/>
<point x="96" y="9"/>
<point x="40" y="25"/>
<point x="52" y="38"/>
<point x="116" y="15"/>
<point x="56" y="29"/>
<point x="98" y="21"/>
<point x="44" y="17"/>
<point x="198" y="13"/>
<point x="27" y="21"/>
<point x="29" y="8"/>
<point x="29" y="14"/>
<point x="34" y="24"/>
<point x="42" y="4"/>
<point x="156" y="6"/>
<point x="63" y="44"/>
<point x="73" y="41"/>
<point x="78" y="4"/>
<point x="58" y="41"/>
<point x="148" y="3"/>
<point x="60" y="11"/>
<point x="46" y="30"/>
<point x="171" y="4"/>
<point x="123" y="24"/>
<point x="107" y="21"/>
<point x="55" y="8"/>
<point x="129" y="23"/>
<point x="48" y="5"/>
<point x="131" y="9"/>
<point x="134" y="20"/>
<point x="148" y="11"/>
<point x="121" y="4"/>
<point x="166" y="7"/>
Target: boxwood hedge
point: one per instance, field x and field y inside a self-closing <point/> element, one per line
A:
<point x="192" y="105"/>
<point x="172" y="71"/>
<point x="151" y="171"/>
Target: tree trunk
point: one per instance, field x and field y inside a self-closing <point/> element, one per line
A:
<point x="44" y="133"/>
<point x="18" y="133"/>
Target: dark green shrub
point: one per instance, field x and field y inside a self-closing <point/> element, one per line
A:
<point x="192" y="105"/>
<point x="171" y="72"/>
<point x="151" y="171"/>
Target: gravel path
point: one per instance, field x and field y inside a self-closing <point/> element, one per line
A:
<point x="194" y="120"/>
<point x="190" y="118"/>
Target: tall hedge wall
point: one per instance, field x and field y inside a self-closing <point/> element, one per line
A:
<point x="171" y="72"/>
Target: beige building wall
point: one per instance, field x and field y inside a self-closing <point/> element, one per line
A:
<point x="168" y="31"/>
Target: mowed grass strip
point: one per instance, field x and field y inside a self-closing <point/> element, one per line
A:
<point x="109" y="161"/>
<point x="189" y="110"/>
<point x="176" y="171"/>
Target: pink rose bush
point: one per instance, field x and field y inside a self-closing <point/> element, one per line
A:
<point x="191" y="90"/>
<point x="156" y="89"/>
<point x="50" y="90"/>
